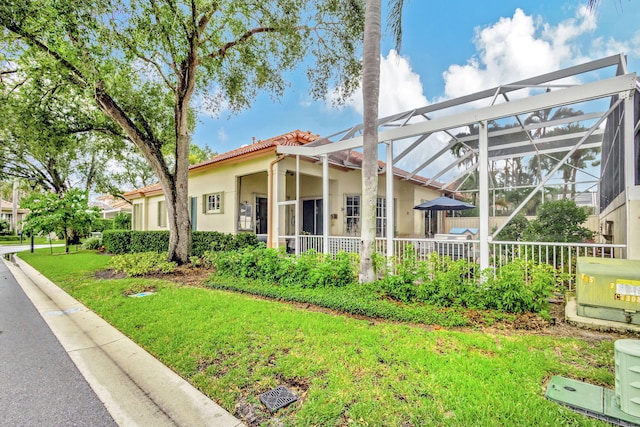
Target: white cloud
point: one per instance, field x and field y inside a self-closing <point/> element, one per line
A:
<point x="400" y="87"/>
<point x="518" y="47"/>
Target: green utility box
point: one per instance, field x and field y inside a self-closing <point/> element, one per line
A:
<point x="608" y="289"/>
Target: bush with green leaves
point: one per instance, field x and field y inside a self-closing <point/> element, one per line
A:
<point x="437" y="281"/>
<point x="559" y="221"/>
<point x="122" y="221"/>
<point x="141" y="263"/>
<point x="103" y="224"/>
<point x="4" y="227"/>
<point x="309" y="270"/>
<point x="92" y="243"/>
<point x="117" y="241"/>
<point x="147" y="241"/>
<point x="515" y="229"/>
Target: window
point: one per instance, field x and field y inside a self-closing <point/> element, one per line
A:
<point x="381" y="216"/>
<point x="162" y="214"/>
<point x="352" y="216"/>
<point x="212" y="203"/>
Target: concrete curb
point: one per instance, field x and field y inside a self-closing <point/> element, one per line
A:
<point x="135" y="387"/>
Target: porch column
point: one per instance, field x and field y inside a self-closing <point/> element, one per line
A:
<point x="483" y="171"/>
<point x="390" y="218"/>
<point x="296" y="232"/>
<point x="632" y="196"/>
<point x="325" y="203"/>
<point x="280" y="196"/>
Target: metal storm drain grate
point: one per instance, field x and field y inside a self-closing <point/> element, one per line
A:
<point x="277" y="398"/>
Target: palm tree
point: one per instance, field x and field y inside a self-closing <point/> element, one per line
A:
<point x="370" y="99"/>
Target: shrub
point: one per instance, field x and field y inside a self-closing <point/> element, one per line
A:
<point x="509" y="290"/>
<point x="147" y="241"/>
<point x="102" y="224"/>
<point x="93" y="243"/>
<point x="117" y="241"/>
<point x="309" y="270"/>
<point x="559" y="221"/>
<point x="122" y="221"/>
<point x="141" y="263"/>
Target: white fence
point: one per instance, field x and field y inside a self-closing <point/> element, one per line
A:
<point x="562" y="256"/>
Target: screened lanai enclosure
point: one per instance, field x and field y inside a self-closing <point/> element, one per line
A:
<point x="565" y="134"/>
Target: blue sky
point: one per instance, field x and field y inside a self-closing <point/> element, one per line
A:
<point x="449" y="49"/>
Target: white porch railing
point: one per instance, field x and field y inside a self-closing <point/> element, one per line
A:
<point x="562" y="256"/>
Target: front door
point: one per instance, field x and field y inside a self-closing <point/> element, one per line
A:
<point x="312" y="216"/>
<point x="261" y="215"/>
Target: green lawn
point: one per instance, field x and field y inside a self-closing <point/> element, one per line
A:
<point x="346" y="371"/>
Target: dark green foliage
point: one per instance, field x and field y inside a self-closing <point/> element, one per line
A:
<point x="103" y="224"/>
<point x="125" y="241"/>
<point x="354" y="299"/>
<point x="509" y="290"/>
<point x="514" y="231"/>
<point x="149" y="241"/>
<point x="122" y="221"/>
<point x="516" y="287"/>
<point x="559" y="221"/>
<point x="4" y="227"/>
<point x="309" y="270"/>
<point x="117" y="241"/>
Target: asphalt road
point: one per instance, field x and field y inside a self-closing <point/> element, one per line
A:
<point x="39" y="384"/>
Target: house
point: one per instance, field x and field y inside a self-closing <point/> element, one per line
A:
<point x="6" y="213"/>
<point x="110" y="206"/>
<point x="255" y="189"/>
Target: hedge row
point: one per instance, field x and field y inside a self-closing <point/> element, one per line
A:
<point x="129" y="241"/>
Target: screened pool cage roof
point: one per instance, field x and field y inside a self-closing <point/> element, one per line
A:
<point x="553" y="114"/>
<point x="517" y="116"/>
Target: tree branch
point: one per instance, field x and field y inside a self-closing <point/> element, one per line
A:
<point x="222" y="52"/>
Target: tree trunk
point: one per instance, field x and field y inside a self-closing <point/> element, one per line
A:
<point x="370" y="97"/>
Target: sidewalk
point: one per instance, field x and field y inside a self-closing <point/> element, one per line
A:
<point x="136" y="388"/>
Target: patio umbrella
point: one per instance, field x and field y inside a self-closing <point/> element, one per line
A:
<point x="443" y="204"/>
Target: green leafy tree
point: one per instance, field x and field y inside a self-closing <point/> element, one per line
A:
<point x="49" y="132"/>
<point x="559" y="221"/>
<point x="122" y="221"/>
<point x="68" y="215"/>
<point x="142" y="62"/>
<point x="515" y="230"/>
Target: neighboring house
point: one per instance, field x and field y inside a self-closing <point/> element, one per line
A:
<point x="253" y="189"/>
<point x="110" y="206"/>
<point x="6" y="212"/>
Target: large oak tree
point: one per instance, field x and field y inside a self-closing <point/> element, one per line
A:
<point x="143" y="62"/>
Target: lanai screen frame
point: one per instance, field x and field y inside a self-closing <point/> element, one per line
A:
<point x="619" y="90"/>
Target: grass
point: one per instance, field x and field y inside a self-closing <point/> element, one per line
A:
<point x="346" y="371"/>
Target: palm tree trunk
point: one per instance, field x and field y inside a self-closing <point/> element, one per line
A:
<point x="370" y="97"/>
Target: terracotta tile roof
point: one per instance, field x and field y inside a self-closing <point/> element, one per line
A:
<point x="297" y="137"/>
<point x="141" y="192"/>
